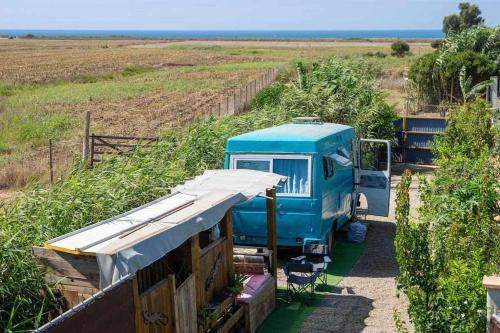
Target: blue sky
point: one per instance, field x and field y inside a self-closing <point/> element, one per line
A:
<point x="233" y="14"/>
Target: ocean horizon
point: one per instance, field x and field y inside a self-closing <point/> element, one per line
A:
<point x="229" y="34"/>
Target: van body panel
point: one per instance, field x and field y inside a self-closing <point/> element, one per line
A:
<point x="298" y="218"/>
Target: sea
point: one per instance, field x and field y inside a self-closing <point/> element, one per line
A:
<point x="230" y="34"/>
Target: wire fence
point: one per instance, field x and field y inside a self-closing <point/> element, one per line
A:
<point x="235" y="102"/>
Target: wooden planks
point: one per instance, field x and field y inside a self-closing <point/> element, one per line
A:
<point x="157" y="308"/>
<point x="232" y="321"/>
<point x="260" y="306"/>
<point x="111" y="312"/>
<point x="214" y="277"/>
<point x="185" y="307"/>
<point x="77" y="277"/>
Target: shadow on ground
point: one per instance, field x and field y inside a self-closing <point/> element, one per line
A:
<point x="379" y="258"/>
<point x="341" y="312"/>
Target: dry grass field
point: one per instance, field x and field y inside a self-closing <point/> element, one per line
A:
<point x="133" y="87"/>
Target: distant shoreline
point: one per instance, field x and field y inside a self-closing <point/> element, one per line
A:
<point x="175" y="40"/>
<point x="282" y="35"/>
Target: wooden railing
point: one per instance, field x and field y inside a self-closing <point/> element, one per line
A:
<point x="101" y="145"/>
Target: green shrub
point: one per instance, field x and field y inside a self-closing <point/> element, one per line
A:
<point x="344" y="92"/>
<point x="427" y="84"/>
<point x="269" y="96"/>
<point x="443" y="256"/>
<point x="400" y="48"/>
<point x="436" y="44"/>
<point x="436" y="75"/>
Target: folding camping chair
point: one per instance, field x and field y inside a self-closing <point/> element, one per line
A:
<point x="299" y="278"/>
<point x="317" y="254"/>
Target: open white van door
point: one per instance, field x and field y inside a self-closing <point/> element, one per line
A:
<point x="373" y="174"/>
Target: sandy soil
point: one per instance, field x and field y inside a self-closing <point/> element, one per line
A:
<point x="365" y="300"/>
<point x="259" y="43"/>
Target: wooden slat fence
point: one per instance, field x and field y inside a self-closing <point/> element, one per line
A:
<point x="101" y="145"/>
<point x="236" y="102"/>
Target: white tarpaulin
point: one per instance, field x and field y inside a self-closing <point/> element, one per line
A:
<point x="134" y="240"/>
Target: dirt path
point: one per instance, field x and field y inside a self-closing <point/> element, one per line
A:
<point x="365" y="300"/>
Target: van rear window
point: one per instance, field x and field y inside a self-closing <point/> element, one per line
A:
<point x="253" y="165"/>
<point x="296" y="169"/>
<point x="297" y="172"/>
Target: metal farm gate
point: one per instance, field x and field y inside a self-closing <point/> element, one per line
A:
<point x="414" y="136"/>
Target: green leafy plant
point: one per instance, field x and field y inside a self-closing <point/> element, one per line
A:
<point x="437" y="75"/>
<point x="468" y="90"/>
<point x="443" y="256"/>
<point x="236" y="284"/>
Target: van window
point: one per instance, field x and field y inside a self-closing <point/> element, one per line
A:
<point x="327" y="167"/>
<point x="297" y="169"/>
<point x="297" y="172"/>
<point x="259" y="165"/>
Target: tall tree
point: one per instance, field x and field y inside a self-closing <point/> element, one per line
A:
<point x="469" y="16"/>
<point x="451" y="24"/>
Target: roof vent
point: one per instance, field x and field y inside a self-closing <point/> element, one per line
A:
<point x="307" y="120"/>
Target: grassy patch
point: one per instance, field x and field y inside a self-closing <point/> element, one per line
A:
<point x="142" y="82"/>
<point x="31" y="129"/>
<point x="289" y="316"/>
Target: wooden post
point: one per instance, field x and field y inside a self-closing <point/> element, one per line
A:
<point x="195" y="269"/>
<point x="51" y="166"/>
<point x="91" y="162"/>
<point x="234" y="103"/>
<point x="271" y="231"/>
<point x="171" y="285"/>
<point x="86" y="132"/>
<point x="403" y="138"/>
<point x="227" y="228"/>
<point x="137" y="305"/>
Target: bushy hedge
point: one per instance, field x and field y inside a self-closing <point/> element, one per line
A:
<point x="337" y="91"/>
<point x="437" y="74"/>
<point x="341" y="92"/>
<point x="443" y="256"/>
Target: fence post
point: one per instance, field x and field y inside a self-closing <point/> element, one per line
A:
<point x="51" y="166"/>
<point x="86" y="131"/>
<point x="91" y="150"/>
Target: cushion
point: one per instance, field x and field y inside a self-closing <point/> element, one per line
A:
<point x="251" y="286"/>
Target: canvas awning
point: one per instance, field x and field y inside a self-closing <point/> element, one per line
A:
<point x="128" y="242"/>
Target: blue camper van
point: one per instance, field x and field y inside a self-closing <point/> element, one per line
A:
<point x="327" y="169"/>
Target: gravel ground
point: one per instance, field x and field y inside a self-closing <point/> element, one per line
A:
<point x="365" y="300"/>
